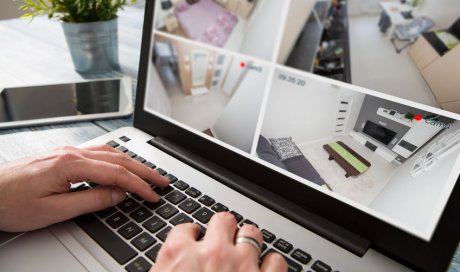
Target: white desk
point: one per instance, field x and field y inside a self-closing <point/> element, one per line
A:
<point x="393" y="9"/>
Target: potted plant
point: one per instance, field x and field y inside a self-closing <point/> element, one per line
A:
<point x="90" y="28"/>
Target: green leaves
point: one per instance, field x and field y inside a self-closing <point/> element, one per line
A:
<point x="75" y="10"/>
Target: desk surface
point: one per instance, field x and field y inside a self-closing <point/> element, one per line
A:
<point x="36" y="53"/>
<point x="394" y="9"/>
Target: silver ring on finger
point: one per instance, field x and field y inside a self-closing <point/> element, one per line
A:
<point x="253" y="242"/>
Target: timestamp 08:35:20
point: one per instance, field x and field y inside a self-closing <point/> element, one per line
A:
<point x="291" y="79"/>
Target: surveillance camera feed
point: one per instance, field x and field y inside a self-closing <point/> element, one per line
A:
<point x="357" y="99"/>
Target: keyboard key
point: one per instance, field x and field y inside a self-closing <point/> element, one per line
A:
<point x="175" y="197"/>
<point x="268" y="236"/>
<point x="206" y="200"/>
<point x="189" y="205"/>
<point x="283" y="245"/>
<point x="167" y="211"/>
<point x="301" y="256"/>
<point x="238" y="217"/>
<point x="106" y="212"/>
<point x="150" y="165"/>
<point x="264" y="247"/>
<point x="131" y="154"/>
<point x="108" y="240"/>
<point x="203" y="215"/>
<point x="139" y="265"/>
<point x="140" y="159"/>
<point x="161" y="171"/>
<point x="153" y="205"/>
<point x="181" y="185"/>
<point x="319" y="266"/>
<point x="117" y="220"/>
<point x="164" y="233"/>
<point x="143" y="241"/>
<point x="136" y="196"/>
<point x="181" y="219"/>
<point x="79" y="188"/>
<point x="140" y="214"/>
<point x="219" y="207"/>
<point x="193" y="192"/>
<point x="171" y="178"/>
<point x="129" y="230"/>
<point x="128" y="205"/>
<point x="248" y="222"/>
<point x="124" y="139"/>
<point x="154" y="224"/>
<point x="292" y="265"/>
<point x="162" y="191"/>
<point x="202" y="232"/>
<point x="112" y="144"/>
<point x="122" y="149"/>
<point x="93" y="184"/>
<point x="152" y="253"/>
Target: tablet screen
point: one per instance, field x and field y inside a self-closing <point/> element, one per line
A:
<point x="62" y="100"/>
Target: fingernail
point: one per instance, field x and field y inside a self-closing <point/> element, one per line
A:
<point x="117" y="196"/>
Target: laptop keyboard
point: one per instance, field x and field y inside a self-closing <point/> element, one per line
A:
<point x="133" y="231"/>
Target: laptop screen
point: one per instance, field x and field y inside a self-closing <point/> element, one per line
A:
<point x="299" y="87"/>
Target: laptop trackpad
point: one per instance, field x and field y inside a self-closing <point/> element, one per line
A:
<point x="37" y="251"/>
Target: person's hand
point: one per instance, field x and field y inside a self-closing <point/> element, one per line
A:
<point x="217" y="251"/>
<point x="34" y="192"/>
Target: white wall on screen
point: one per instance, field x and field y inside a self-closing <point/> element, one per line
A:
<point x="234" y="75"/>
<point x="236" y="125"/>
<point x="261" y="30"/>
<point x="412" y="199"/>
<point x="358" y="7"/>
<point x="157" y="98"/>
<point x="306" y="113"/>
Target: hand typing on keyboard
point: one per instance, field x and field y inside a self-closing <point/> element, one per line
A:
<point x="35" y="192"/>
<point x="224" y="248"/>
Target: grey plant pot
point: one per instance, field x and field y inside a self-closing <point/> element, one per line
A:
<point x="93" y="46"/>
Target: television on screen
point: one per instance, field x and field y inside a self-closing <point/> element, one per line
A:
<point x="379" y="132"/>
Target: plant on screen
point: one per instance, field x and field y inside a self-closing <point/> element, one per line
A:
<point x="75" y="11"/>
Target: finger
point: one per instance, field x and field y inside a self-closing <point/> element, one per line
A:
<point x="178" y="239"/>
<point x="69" y="205"/>
<point x="103" y="147"/>
<point x="247" y="248"/>
<point x="221" y="228"/>
<point x="274" y="262"/>
<point x="106" y="173"/>
<point x="184" y="232"/>
<point x="132" y="165"/>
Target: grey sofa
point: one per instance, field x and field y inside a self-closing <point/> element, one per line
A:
<point x="298" y="165"/>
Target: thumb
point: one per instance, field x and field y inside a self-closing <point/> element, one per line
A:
<point x="68" y="205"/>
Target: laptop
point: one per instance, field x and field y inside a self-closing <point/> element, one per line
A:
<point x="337" y="177"/>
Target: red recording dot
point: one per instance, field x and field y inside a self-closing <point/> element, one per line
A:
<point x="418" y="117"/>
<point x="242" y="64"/>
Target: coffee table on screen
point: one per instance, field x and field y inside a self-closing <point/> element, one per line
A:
<point x="347" y="158"/>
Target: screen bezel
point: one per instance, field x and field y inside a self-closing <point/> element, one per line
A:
<point x="125" y="106"/>
<point x="387" y="239"/>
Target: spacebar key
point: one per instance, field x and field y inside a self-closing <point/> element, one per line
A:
<point x="104" y="236"/>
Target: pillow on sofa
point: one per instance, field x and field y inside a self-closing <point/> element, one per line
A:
<point x="265" y="152"/>
<point x="285" y="148"/>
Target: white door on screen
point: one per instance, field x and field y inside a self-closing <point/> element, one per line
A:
<point x="200" y="63"/>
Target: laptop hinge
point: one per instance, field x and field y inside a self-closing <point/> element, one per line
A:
<point x="333" y="232"/>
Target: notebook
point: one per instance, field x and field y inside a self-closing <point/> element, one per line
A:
<point x="338" y="177"/>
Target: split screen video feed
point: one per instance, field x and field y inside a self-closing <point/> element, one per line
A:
<point x="255" y="79"/>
